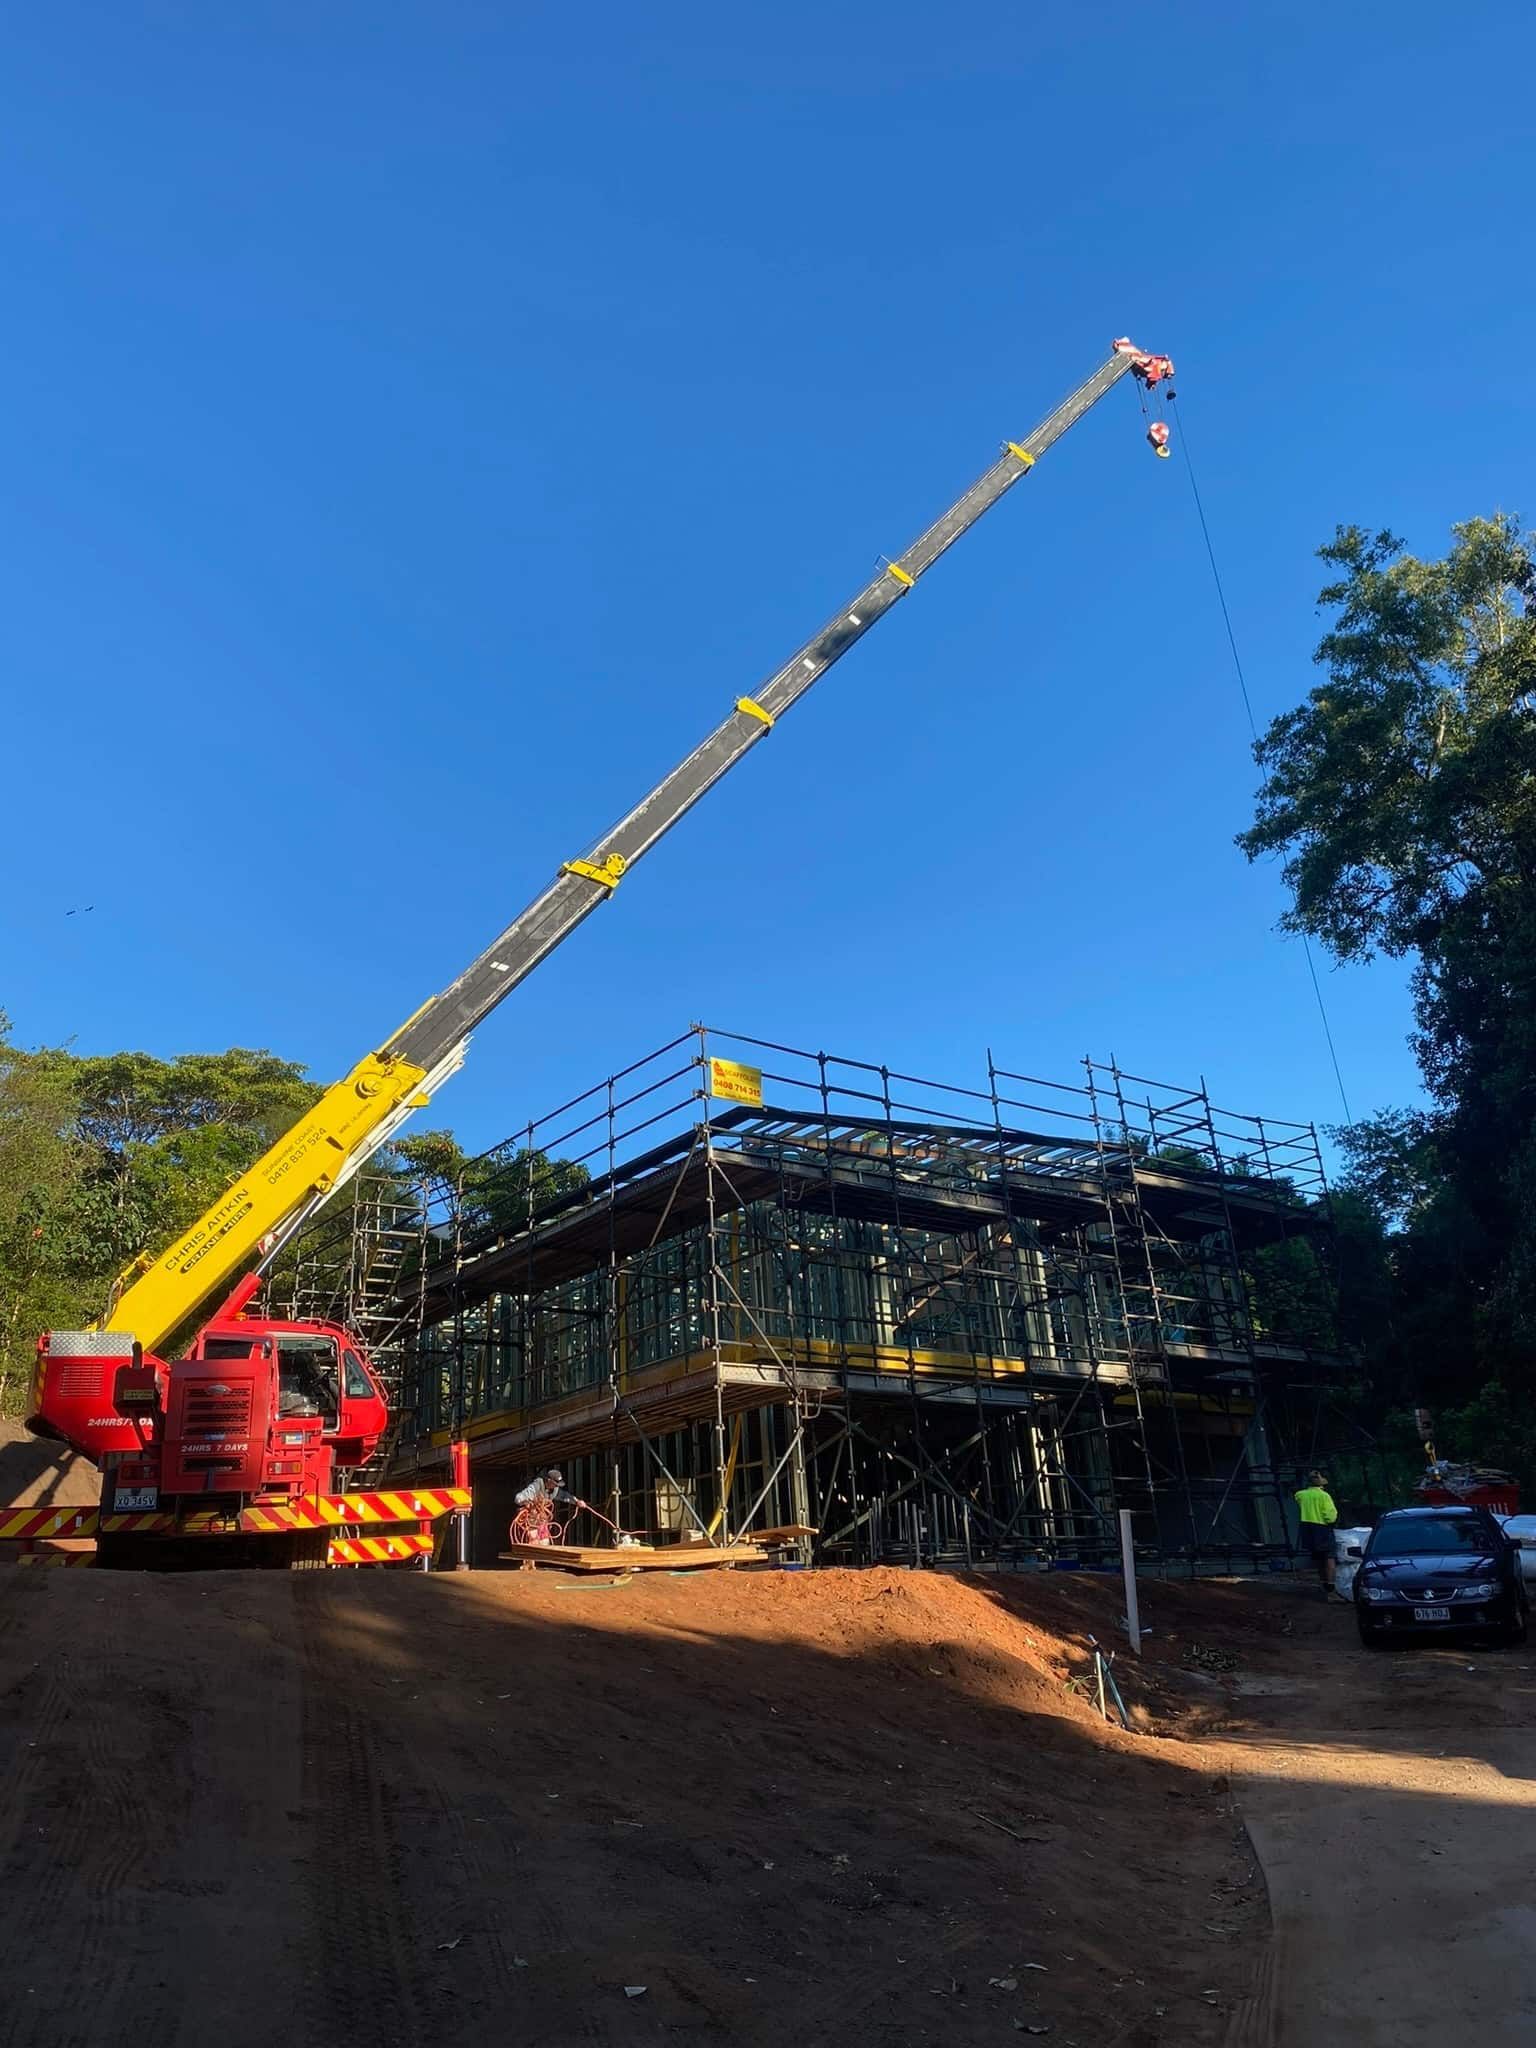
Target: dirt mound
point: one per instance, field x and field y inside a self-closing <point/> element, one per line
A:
<point x="38" y="1474"/>
<point x="863" y="1808"/>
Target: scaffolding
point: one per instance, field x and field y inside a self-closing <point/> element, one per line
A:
<point x="736" y="1285"/>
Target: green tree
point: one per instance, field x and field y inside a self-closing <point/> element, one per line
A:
<point x="1400" y="798"/>
<point x="108" y="1156"/>
<point x="166" y="1137"/>
<point x="498" y="1190"/>
<point x="102" y="1158"/>
<point x="1402" y="791"/>
<point x="41" y="1176"/>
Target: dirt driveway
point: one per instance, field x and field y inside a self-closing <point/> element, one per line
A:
<point x="866" y="1809"/>
<point x="843" y="1808"/>
<point x="1391" y="1797"/>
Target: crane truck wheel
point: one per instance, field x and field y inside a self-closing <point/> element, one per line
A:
<point x="130" y="1553"/>
<point x="308" y="1550"/>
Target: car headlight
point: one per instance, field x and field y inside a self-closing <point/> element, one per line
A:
<point x="1377" y="1593"/>
<point x="1483" y="1590"/>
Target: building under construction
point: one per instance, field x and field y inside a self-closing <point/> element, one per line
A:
<point x="737" y="1287"/>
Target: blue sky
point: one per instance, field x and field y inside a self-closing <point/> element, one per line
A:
<point x="422" y="422"/>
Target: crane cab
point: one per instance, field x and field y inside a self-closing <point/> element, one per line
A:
<point x="257" y="1406"/>
<point x="321" y="1383"/>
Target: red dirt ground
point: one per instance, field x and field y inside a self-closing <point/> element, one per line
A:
<point x="832" y="1807"/>
<point x="43" y="1475"/>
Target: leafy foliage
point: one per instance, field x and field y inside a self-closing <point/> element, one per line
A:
<point x="42" y="1176"/>
<point x="1401" y="800"/>
<point x="498" y="1190"/>
<point x="1402" y="791"/>
<point x="103" y="1157"/>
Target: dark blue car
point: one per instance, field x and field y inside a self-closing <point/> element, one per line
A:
<point x="1439" y="1571"/>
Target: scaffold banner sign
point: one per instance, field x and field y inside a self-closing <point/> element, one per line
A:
<point x="730" y="1081"/>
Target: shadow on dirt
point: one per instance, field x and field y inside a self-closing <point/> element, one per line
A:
<point x="34" y="1473"/>
<point x="828" y="1807"/>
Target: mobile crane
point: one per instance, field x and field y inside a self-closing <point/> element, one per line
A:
<point x="243" y="1437"/>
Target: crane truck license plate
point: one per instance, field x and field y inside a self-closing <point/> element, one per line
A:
<point x="136" y="1500"/>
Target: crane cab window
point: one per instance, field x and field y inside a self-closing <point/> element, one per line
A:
<point x="307" y="1379"/>
<point x="231" y="1347"/>
<point x="359" y="1386"/>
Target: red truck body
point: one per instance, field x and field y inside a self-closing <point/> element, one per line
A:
<point x="258" y="1409"/>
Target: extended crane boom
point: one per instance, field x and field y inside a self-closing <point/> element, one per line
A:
<point x="583" y="884"/>
<point x="162" y="1292"/>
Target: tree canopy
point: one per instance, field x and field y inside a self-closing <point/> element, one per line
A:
<point x="496" y="1190"/>
<point x="104" y="1156"/>
<point x="42" y="1181"/>
<point x="1400" y="798"/>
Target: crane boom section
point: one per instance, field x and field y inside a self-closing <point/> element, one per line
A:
<point x="163" y="1291"/>
<point x="582" y="885"/>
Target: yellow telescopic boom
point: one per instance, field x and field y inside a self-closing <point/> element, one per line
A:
<point x="162" y="1292"/>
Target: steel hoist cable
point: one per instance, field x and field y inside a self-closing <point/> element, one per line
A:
<point x="1253" y="728"/>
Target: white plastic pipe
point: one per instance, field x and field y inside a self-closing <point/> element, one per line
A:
<point x="1128" y="1565"/>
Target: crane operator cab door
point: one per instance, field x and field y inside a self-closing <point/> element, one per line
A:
<point x="308" y="1380"/>
<point x="308" y="1410"/>
<point x="364" y="1411"/>
<point x="324" y="1376"/>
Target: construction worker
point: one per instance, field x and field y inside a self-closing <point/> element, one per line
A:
<point x="1315" y="1506"/>
<point x="537" y="1504"/>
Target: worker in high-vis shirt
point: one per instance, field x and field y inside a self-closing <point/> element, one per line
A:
<point x="1315" y="1506"/>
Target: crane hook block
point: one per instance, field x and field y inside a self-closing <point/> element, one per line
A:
<point x="607" y="873"/>
<point x="1157" y="434"/>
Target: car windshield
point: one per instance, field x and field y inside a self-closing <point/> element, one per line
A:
<point x="1430" y="1536"/>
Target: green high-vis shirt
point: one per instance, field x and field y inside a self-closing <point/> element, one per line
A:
<point x="1316" y="1505"/>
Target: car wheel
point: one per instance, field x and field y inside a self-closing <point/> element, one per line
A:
<point x="1516" y="1631"/>
<point x="1372" y="1638"/>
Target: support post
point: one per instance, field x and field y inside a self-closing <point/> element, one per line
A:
<point x="458" y="1455"/>
<point x="1128" y="1563"/>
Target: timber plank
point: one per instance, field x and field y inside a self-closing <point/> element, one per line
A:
<point x="635" y="1557"/>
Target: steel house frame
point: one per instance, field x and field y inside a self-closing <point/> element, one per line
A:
<point x="931" y="1323"/>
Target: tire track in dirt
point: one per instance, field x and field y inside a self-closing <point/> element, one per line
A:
<point x="494" y="1882"/>
<point x="359" y="1930"/>
<point x="227" y="1892"/>
<point x="171" y="1803"/>
<point x="79" y="1793"/>
<point x="453" y="1892"/>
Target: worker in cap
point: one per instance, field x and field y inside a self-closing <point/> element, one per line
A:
<point x="537" y="1505"/>
<point x="1315" y="1507"/>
